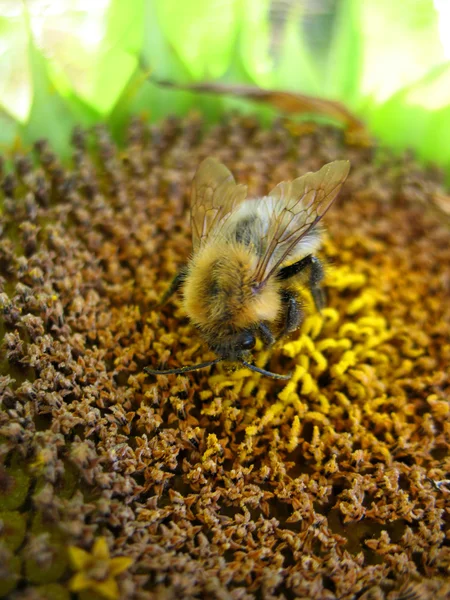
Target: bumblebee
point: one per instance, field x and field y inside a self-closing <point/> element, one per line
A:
<point x="248" y="256"/>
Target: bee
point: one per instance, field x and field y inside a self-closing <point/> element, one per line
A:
<point x="249" y="256"/>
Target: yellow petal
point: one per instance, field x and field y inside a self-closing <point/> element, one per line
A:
<point x="100" y="549"/>
<point x="108" y="588"/>
<point x="80" y="582"/>
<point x="119" y="564"/>
<point x="78" y="557"/>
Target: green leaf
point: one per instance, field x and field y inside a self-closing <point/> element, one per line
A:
<point x="296" y="69"/>
<point x="400" y="125"/>
<point x="137" y="98"/>
<point x="400" y="45"/>
<point x="140" y="96"/>
<point x="9" y="129"/>
<point x="202" y="32"/>
<point x="113" y="69"/>
<point x="344" y="66"/>
<point x="432" y="90"/>
<point x="117" y="57"/>
<point x="254" y="41"/>
<point x="435" y="146"/>
<point x="82" y="111"/>
<point x="125" y="25"/>
<point x="407" y="119"/>
<point x="15" y="85"/>
<point x="50" y="115"/>
<point x="157" y="55"/>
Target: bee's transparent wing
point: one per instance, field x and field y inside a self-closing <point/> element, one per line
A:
<point x="214" y="197"/>
<point x="296" y="207"/>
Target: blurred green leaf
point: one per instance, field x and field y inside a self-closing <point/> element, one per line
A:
<point x="82" y="111"/>
<point x="435" y="144"/>
<point x="9" y="129"/>
<point x="433" y="89"/>
<point x="408" y="120"/>
<point x="50" y="115"/>
<point x="399" y="125"/>
<point x="202" y="32"/>
<point x="157" y="54"/>
<point x="142" y="97"/>
<point x="401" y="44"/>
<point x="125" y="23"/>
<point x="139" y="97"/>
<point x="117" y="60"/>
<point x="432" y="92"/>
<point x="15" y="85"/>
<point x="344" y="65"/>
<point x="114" y="68"/>
<point x="254" y="41"/>
<point x="296" y="69"/>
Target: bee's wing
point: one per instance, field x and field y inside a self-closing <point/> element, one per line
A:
<point x="214" y="197"/>
<point x="296" y="207"/>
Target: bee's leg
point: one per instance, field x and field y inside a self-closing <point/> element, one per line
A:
<point x="175" y="285"/>
<point x="315" y="276"/>
<point x="267" y="337"/>
<point x="293" y="313"/>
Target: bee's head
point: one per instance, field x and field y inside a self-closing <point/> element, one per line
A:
<point x="234" y="345"/>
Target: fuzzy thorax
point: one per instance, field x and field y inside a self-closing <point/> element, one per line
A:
<point x="220" y="292"/>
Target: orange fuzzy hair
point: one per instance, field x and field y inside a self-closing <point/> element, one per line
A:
<point x="219" y="290"/>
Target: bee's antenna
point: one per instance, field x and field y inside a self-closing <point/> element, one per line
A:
<point x="264" y="372"/>
<point x="182" y="370"/>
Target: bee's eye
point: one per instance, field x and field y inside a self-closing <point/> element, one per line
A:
<point x="247" y="341"/>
